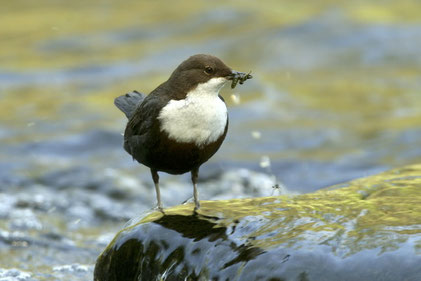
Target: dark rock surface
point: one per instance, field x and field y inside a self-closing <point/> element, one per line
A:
<point x="368" y="229"/>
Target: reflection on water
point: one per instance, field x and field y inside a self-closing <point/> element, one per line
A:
<point x="198" y="227"/>
<point x="132" y="257"/>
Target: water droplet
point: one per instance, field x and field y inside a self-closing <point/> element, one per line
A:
<point x="265" y="161"/>
<point x="256" y="134"/>
<point x="235" y="98"/>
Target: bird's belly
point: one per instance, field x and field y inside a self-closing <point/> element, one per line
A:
<point x="175" y="157"/>
<point x="199" y="120"/>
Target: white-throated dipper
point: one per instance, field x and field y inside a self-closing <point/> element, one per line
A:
<point x="183" y="122"/>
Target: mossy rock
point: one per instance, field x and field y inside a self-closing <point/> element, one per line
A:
<point x="367" y="229"/>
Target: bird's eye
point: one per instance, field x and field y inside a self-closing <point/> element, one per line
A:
<point x="208" y="70"/>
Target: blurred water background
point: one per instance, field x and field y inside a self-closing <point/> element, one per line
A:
<point x="335" y="96"/>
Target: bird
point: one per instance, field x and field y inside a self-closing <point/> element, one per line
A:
<point x="181" y="123"/>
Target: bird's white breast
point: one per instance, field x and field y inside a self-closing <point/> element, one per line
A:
<point x="199" y="118"/>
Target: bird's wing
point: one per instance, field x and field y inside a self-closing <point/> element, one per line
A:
<point x="145" y="115"/>
<point x="129" y="102"/>
<point x="142" y="125"/>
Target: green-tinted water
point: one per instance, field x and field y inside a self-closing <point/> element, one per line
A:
<point x="333" y="80"/>
<point x="335" y="95"/>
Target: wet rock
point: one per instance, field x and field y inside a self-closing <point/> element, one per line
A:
<point x="367" y="229"/>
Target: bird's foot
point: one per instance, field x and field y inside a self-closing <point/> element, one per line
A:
<point x="196" y="206"/>
<point x="191" y="200"/>
<point x="159" y="208"/>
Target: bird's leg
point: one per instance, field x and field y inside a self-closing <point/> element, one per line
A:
<point x="155" y="178"/>
<point x="194" y="176"/>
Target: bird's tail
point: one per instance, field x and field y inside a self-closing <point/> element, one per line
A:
<point x="129" y="102"/>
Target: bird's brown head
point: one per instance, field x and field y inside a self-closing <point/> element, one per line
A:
<point x="202" y="67"/>
<point x="199" y="69"/>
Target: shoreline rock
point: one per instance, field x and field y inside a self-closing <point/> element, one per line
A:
<point x="368" y="229"/>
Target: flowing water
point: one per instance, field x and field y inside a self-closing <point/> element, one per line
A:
<point x="335" y="96"/>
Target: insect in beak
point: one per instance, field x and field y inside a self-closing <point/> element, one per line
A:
<point x="237" y="76"/>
